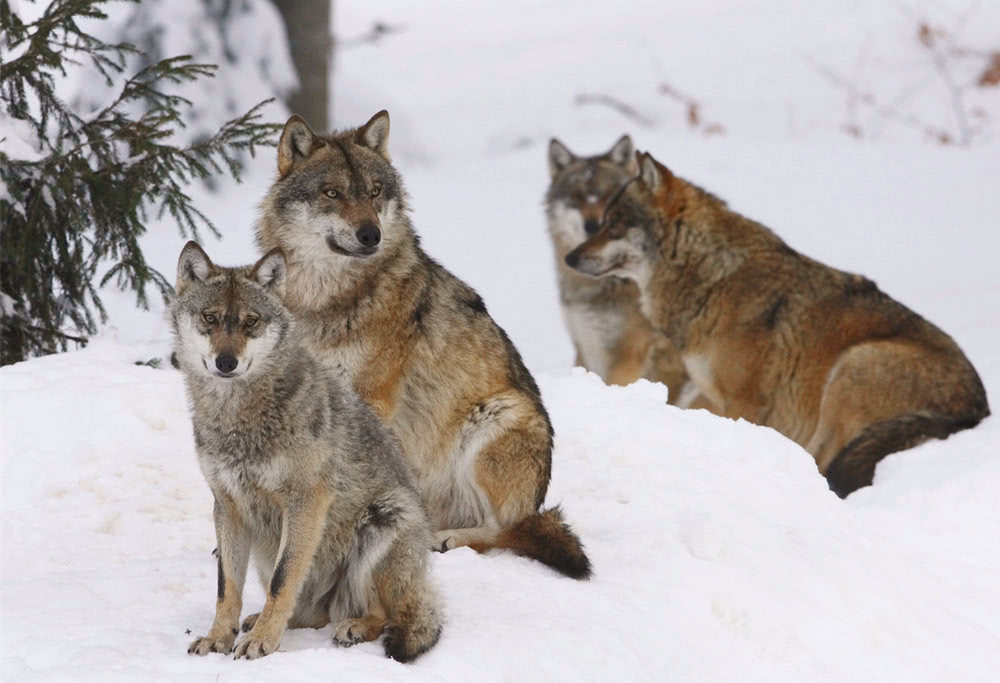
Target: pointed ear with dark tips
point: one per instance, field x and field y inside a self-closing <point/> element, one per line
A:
<point x="192" y="266"/>
<point x="559" y="157"/>
<point x="297" y="142"/>
<point x="623" y="154"/>
<point x="375" y="134"/>
<point x="270" y="270"/>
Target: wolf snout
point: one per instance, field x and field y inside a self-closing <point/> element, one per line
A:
<point x="226" y="363"/>
<point x="369" y="235"/>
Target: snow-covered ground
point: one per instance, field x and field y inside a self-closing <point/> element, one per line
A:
<point x="719" y="553"/>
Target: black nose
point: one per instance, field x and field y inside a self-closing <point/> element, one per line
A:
<point x="591" y="226"/>
<point x="226" y="362"/>
<point x="369" y="235"/>
<point x="572" y="258"/>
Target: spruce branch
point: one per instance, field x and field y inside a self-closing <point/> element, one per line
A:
<point x="81" y="207"/>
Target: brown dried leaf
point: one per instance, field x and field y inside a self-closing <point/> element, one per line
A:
<point x="693" y="118"/>
<point x="852" y="129"/>
<point x="991" y="75"/>
<point x="925" y="34"/>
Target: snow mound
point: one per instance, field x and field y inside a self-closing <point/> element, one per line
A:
<point x="719" y="553"/>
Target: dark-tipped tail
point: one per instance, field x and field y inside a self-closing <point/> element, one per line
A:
<point x="854" y="466"/>
<point x="404" y="644"/>
<point x="545" y="537"/>
<point x="415" y="625"/>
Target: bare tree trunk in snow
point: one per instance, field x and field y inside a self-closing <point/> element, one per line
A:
<point x="307" y="23"/>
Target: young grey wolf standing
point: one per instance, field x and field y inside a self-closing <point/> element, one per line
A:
<point x="304" y="476"/>
<point x="769" y="335"/>
<point x="416" y="342"/>
<point x="611" y="335"/>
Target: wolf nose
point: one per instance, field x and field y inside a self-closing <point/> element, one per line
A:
<point x="572" y="258"/>
<point x="226" y="362"/>
<point x="369" y="235"/>
<point x="591" y="226"/>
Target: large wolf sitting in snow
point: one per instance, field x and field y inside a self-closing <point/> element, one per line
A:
<point x="416" y="343"/>
<point x="772" y="336"/>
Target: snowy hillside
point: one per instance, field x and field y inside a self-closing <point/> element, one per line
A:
<point x="719" y="553"/>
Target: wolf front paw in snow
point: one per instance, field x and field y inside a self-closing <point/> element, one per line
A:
<point x="416" y="342"/>
<point x="611" y="335"/>
<point x="772" y="336"/>
<point x="305" y="477"/>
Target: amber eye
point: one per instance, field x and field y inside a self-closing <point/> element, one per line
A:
<point x="251" y="321"/>
<point x="376" y="191"/>
<point x="331" y="193"/>
<point x="208" y="317"/>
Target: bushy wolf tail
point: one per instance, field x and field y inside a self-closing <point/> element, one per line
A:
<point x="545" y="537"/>
<point x="415" y="624"/>
<point x="854" y="466"/>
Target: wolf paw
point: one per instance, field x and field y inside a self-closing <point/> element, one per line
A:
<point x="346" y="634"/>
<point x="203" y="645"/>
<point x="444" y="541"/>
<point x="350" y="632"/>
<point x="249" y="622"/>
<point x="254" y="645"/>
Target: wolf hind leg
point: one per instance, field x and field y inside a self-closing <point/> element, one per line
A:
<point x="449" y="539"/>
<point x="513" y="472"/>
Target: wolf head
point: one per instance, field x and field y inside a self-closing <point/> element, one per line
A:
<point x="228" y="322"/>
<point x="582" y="186"/>
<point x="631" y="232"/>
<point x="337" y="198"/>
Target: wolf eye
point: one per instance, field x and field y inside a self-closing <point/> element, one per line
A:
<point x="251" y="321"/>
<point x="208" y="317"/>
<point x="377" y="190"/>
<point x="331" y="193"/>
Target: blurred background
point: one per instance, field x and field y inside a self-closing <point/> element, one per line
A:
<point x="866" y="134"/>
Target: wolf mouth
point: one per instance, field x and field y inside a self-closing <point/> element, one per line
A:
<point x="363" y="252"/>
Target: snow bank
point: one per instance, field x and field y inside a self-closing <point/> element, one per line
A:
<point x="719" y="553"/>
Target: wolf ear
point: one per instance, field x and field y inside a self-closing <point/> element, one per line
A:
<point x="297" y="142"/>
<point x="192" y="266"/>
<point x="559" y="157"/>
<point x="623" y="154"/>
<point x="652" y="172"/>
<point x="270" y="270"/>
<point x="375" y="134"/>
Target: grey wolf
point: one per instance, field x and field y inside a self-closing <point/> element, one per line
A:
<point x="611" y="336"/>
<point x="772" y="336"/>
<point x="305" y="477"/>
<point x="416" y="343"/>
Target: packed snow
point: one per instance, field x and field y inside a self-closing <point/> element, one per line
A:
<point x="719" y="553"/>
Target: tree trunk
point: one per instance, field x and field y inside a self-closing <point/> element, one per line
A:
<point x="307" y="23"/>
